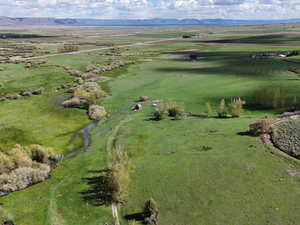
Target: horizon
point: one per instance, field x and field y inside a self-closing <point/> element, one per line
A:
<point x="149" y="9"/>
<point x="153" y="18"/>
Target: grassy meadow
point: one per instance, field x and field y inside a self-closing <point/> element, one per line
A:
<point x="200" y="171"/>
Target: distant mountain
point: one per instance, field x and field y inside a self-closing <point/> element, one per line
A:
<point x="27" y="21"/>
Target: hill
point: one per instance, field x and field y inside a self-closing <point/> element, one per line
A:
<point x="43" y="21"/>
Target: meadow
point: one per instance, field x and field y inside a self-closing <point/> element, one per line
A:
<point x="199" y="170"/>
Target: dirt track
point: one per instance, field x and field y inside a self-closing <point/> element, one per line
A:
<point x="101" y="49"/>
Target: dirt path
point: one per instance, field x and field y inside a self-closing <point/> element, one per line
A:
<point x="115" y="214"/>
<point x="53" y="214"/>
<point x="100" y="49"/>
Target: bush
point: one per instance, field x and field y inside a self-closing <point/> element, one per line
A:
<point x="175" y="109"/>
<point x="222" y="112"/>
<point x="169" y="108"/>
<point x="143" y="98"/>
<point x="150" y="212"/>
<point x="20" y="157"/>
<point x="236" y="107"/>
<point x="6" y="163"/>
<point x="159" y="114"/>
<point x="272" y="97"/>
<point x="21" y="178"/>
<point x="96" y="112"/>
<point x="89" y="91"/>
<point x="39" y="153"/>
<point x="69" y="48"/>
<point x="261" y="127"/>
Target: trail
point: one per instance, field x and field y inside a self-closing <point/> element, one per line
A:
<point x="100" y="49"/>
<point x="115" y="214"/>
<point x="54" y="217"/>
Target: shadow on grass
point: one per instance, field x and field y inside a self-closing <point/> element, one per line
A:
<point x="245" y="133"/>
<point x="135" y="216"/>
<point x="98" y="192"/>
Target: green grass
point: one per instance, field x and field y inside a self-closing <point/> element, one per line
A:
<point x="237" y="182"/>
<point x="79" y="61"/>
<point x="38" y="119"/>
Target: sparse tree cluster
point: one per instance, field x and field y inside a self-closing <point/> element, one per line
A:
<point x="118" y="176"/>
<point x="272" y="97"/>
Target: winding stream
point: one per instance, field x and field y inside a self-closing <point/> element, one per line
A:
<point x="85" y="132"/>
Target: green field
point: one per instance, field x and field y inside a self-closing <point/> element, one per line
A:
<point x="236" y="182"/>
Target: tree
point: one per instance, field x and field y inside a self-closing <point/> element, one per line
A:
<point x="208" y="109"/>
<point x="236" y="107"/>
<point x="222" y="113"/>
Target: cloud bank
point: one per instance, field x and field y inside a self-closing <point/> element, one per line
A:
<point x="132" y="9"/>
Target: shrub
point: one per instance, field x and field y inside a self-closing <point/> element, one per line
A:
<point x="96" y="112"/>
<point x="270" y="97"/>
<point x="236" y="107"/>
<point x="169" y="108"/>
<point x="175" y="109"/>
<point x="69" y="48"/>
<point x="19" y="157"/>
<point x="89" y="91"/>
<point x="76" y="103"/>
<point x="143" y="98"/>
<point x="21" y="178"/>
<point x="6" y="163"/>
<point x="261" y="127"/>
<point x="159" y="114"/>
<point x="150" y="212"/>
<point x="208" y="108"/>
<point x="39" y="153"/>
<point x="222" y="112"/>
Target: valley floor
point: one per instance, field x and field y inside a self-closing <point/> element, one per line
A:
<point x="236" y="182"/>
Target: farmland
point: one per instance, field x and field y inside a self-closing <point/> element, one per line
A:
<point x="200" y="170"/>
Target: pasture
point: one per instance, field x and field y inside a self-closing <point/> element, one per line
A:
<point x="199" y="170"/>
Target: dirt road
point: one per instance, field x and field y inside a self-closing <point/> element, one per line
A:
<point x="100" y="49"/>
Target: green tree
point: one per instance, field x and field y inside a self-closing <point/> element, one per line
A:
<point x="208" y="108"/>
<point x="222" y="113"/>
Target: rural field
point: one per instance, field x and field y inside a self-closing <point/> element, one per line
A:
<point x="173" y="136"/>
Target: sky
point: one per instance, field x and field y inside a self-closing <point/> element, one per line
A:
<point x="143" y="9"/>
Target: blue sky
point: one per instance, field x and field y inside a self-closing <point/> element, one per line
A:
<point x="130" y="9"/>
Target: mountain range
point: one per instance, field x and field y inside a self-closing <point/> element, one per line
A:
<point x="27" y="21"/>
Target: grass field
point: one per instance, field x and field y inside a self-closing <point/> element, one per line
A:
<point x="237" y="182"/>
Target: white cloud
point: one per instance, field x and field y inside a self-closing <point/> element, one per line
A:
<point x="235" y="9"/>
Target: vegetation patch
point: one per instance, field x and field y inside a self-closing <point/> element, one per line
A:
<point x="271" y="98"/>
<point x="286" y="136"/>
<point x="24" y="166"/>
<point x="9" y="136"/>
